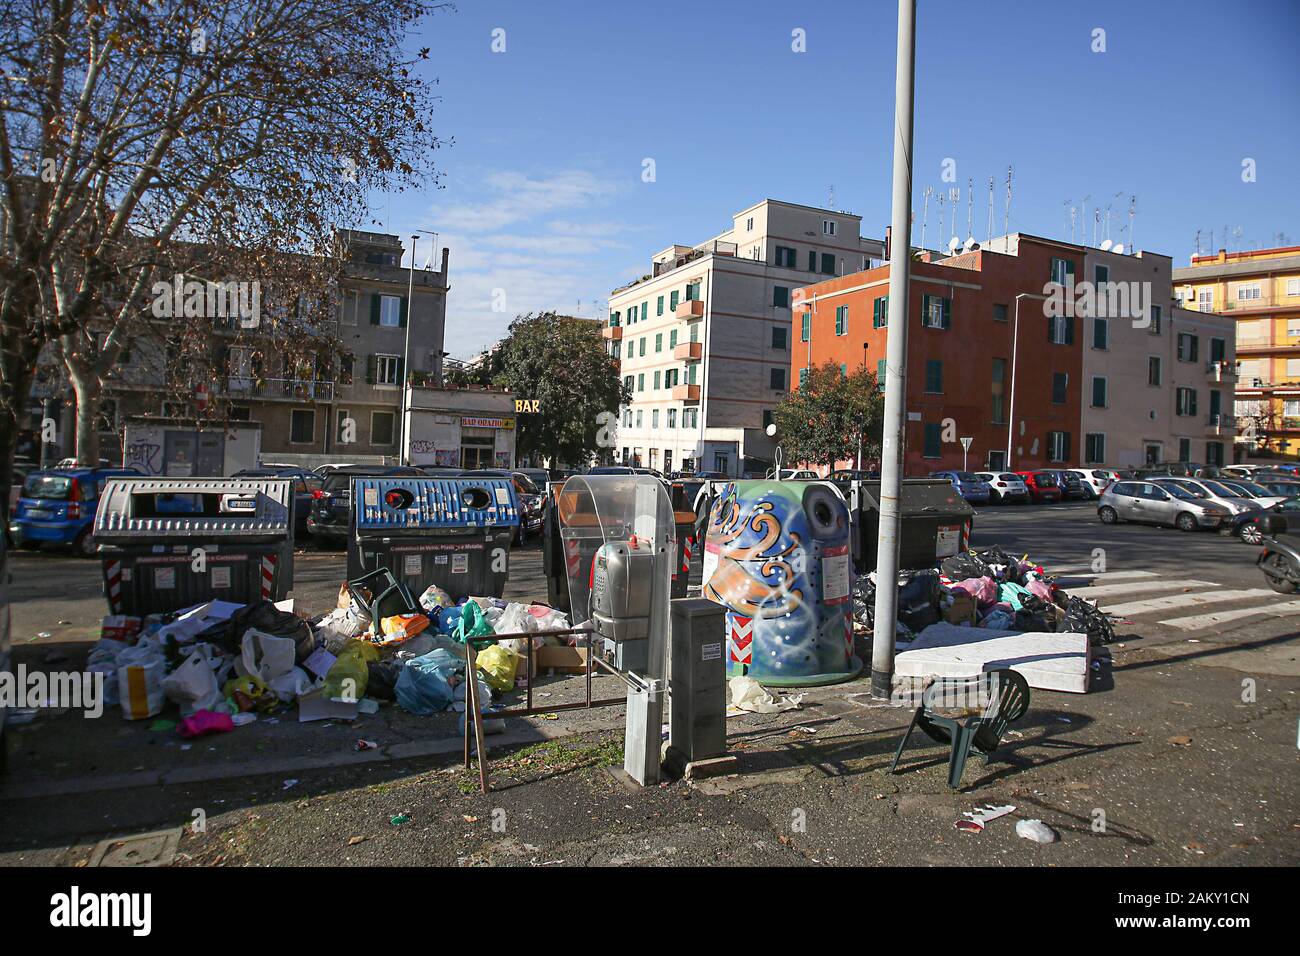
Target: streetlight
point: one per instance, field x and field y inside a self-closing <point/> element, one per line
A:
<point x="403" y="449"/>
<point x="1015" y="341"/>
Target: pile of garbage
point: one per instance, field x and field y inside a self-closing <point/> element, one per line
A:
<point x="225" y="664"/>
<point x="989" y="588"/>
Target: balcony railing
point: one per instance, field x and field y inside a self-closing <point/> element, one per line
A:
<point x="1221" y="369"/>
<point x="689" y="351"/>
<point x="686" y="393"/>
<point x="1264" y="302"/>
<point x="714" y="248"/>
<point x="1221" y="422"/>
<point x="288" y="389"/>
<point x="690" y="309"/>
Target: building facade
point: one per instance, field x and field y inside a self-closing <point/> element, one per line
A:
<point x="704" y="339"/>
<point x="1007" y="347"/>
<point x="471" y="427"/>
<point x="1259" y="293"/>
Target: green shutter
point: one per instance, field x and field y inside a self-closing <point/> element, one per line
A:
<point x="947" y="313"/>
<point x="401" y="315"/>
<point x="372" y="366"/>
<point x="672" y="301"/>
<point x="374" y="308"/>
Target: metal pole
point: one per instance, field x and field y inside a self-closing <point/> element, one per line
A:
<point x="403" y="449"/>
<point x="1011" y="410"/>
<point x="891" y="463"/>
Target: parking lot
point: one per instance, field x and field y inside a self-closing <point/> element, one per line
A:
<point x="1194" y="621"/>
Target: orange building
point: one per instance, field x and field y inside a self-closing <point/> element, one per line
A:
<point x="966" y="345"/>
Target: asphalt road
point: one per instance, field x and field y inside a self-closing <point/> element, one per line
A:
<point x="1185" y="751"/>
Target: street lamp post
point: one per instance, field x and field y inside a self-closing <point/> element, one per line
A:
<point x="404" y="449"/>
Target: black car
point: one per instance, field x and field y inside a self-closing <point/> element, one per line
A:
<point x="328" y="518"/>
<point x="531" y="498"/>
<point x="305" y="485"/>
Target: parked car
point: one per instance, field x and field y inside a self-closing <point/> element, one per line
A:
<point x="853" y="474"/>
<point x="1070" y="483"/>
<point x="1257" y="493"/>
<point x="967" y="484"/>
<point x="793" y="474"/>
<point x="440" y="471"/>
<point x="1211" y="490"/>
<point x="532" y="499"/>
<point x="538" y="476"/>
<point x="1286" y="487"/>
<point x="1004" y="486"/>
<point x="1043" y="486"/>
<point x="1093" y="481"/>
<point x="305" y="485"/>
<point x="1154" y="503"/>
<point x="1254" y="526"/>
<point x="58" y="507"/>
<point x="328" y="518"/>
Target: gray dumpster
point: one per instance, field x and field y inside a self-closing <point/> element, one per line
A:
<point x="452" y="532"/>
<point x="171" y="543"/>
<point x="936" y="522"/>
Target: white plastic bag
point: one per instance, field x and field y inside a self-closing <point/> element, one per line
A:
<point x="548" y="619"/>
<point x="140" y="673"/>
<point x="291" y="685"/>
<point x="338" y="627"/>
<point x="516" y="619"/>
<point x="266" y="656"/>
<point x="193" y="685"/>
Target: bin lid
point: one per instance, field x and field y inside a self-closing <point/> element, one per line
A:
<point x="201" y="508"/>
<point x="920" y="497"/>
<point x="411" y="504"/>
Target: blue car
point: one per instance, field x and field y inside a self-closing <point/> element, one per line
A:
<point x="967" y="484"/>
<point x="58" y="507"/>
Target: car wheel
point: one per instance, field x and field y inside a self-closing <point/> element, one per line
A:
<point x="1107" y="514"/>
<point x="1251" y="533"/>
<point x="29" y="545"/>
<point x="1186" y="522"/>
<point x="1278" y="582"/>
<point x="84" y="546"/>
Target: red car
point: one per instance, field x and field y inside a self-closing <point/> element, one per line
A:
<point x="1042" y="486"/>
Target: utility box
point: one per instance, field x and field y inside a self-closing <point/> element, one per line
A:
<point x="149" y="530"/>
<point x="697" y="681"/>
<point x="452" y="532"/>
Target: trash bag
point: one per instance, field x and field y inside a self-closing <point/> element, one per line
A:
<point x="382" y="679"/>
<point x="864" y="600"/>
<point x="965" y="565"/>
<point x="1082" y="617"/>
<point x="291" y="685"/>
<point x="497" y="665"/>
<point x="249" y="693"/>
<point x="983" y="590"/>
<point x="266" y="617"/>
<point x="999" y="619"/>
<point x="472" y="624"/>
<point x="515" y="619"/>
<point x="140" y="673"/>
<point x="920" y="596"/>
<point x="192" y="686"/>
<point x="1004" y="567"/>
<point x="347" y="677"/>
<point x="265" y="655"/>
<point x="424" y="685"/>
<point x="435" y="596"/>
<point x="399" y="628"/>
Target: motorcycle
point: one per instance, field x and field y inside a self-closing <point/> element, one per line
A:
<point x="1280" y="564"/>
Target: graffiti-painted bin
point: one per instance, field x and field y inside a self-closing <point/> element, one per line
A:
<point x="776" y="555"/>
<point x="171" y="543"/>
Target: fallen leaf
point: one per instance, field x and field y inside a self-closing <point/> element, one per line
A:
<point x="355" y="840"/>
<point x="1181" y="741"/>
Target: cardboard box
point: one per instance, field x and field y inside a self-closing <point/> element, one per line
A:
<point x="962" y="610"/>
<point x="560" y="658"/>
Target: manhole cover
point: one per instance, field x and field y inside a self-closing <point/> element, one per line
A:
<point x="146" y="849"/>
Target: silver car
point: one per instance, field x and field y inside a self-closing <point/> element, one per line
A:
<point x="1004" y="486"/>
<point x="1209" y="489"/>
<point x="1154" y="502"/>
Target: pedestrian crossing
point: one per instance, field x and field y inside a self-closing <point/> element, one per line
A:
<point x="1147" y="597"/>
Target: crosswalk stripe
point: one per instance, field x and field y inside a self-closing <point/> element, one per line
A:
<point x="1199" y="622"/>
<point x="1133" y="587"/>
<point x="1183" y="600"/>
<point x="1061" y="577"/>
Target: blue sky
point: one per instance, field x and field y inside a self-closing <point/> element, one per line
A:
<point x="544" y="205"/>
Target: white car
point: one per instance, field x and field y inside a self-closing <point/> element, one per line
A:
<point x="1094" y="480"/>
<point x="1005" y="486"/>
<point x="1249" y="489"/>
<point x="794" y="474"/>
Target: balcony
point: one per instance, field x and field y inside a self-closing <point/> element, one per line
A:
<point x="690" y="309"/>
<point x="280" y="389"/>
<point x="1221" y="370"/>
<point x="1220" y="424"/>
<point x="689" y="351"/>
<point x="612" y="332"/>
<point x="1264" y="303"/>
<point x="714" y="248"/>
<point x="686" y="393"/>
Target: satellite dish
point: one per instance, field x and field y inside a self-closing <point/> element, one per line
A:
<point x="971" y="244"/>
<point x="953" y="245"/>
<point x="1119" y="249"/>
<point x="1105" y="245"/>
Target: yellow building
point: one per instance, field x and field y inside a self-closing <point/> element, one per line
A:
<point x="1261" y="290"/>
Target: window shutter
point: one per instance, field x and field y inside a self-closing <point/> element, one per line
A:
<point x="401" y="370"/>
<point x="947" y="313"/>
<point x="1069" y="330"/>
<point x="372" y="366"/>
<point x="812" y="261"/>
<point x="401" y="315"/>
<point x="374" y="308"/>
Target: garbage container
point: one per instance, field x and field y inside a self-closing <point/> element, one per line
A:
<point x="776" y="556"/>
<point x="935" y="523"/>
<point x="171" y="543"/>
<point x="452" y="532"/>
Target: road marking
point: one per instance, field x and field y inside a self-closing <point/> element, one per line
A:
<point x="1184" y="600"/>
<point x="1081" y="575"/>
<point x="1133" y="587"/>
<point x="1198" y="622"/>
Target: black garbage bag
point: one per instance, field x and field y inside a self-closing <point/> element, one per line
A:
<point x="381" y="679"/>
<point x="965" y="565"/>
<point x="864" y="601"/>
<point x="920" y="596"/>
<point x="1082" y="617"/>
<point x="1002" y="566"/>
<point x="267" y="618"/>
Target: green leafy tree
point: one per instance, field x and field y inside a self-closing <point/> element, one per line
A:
<point x="823" y="420"/>
<point x="562" y="363"/>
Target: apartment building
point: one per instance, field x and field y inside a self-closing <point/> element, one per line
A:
<point x="704" y="339"/>
<point x="310" y="411"/>
<point x="1034" y="378"/>
<point x="1259" y="293"/>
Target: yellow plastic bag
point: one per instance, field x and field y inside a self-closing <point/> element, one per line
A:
<point x="348" y="674"/>
<point x="497" y="665"/>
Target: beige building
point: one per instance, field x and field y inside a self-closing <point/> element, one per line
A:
<point x="704" y="338"/>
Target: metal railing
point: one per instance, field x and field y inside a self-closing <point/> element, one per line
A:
<point x="285" y="388"/>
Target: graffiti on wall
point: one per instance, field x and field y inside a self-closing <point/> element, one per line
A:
<point x="144" y="457"/>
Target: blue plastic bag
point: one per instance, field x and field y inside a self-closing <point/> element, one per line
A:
<point x="424" y="685"/>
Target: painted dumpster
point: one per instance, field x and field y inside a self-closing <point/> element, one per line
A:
<point x="776" y="555"/>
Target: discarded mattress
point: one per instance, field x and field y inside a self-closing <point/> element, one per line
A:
<point x="1047" y="661"/>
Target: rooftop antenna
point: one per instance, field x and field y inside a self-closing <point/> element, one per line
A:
<point x="970" y="209"/>
<point x="1065" y="213"/>
<point x="990" y="236"/>
<point x="1198" y="242"/>
<point x="942" y="199"/>
<point x="1074" y="218"/>
<point x="1132" y="215"/>
<point x="954" y="197"/>
<point x="925" y="212"/>
<point x="1083" y="211"/>
<point x="1006" y="216"/>
<point x="830" y="199"/>
<point x="1096" y="223"/>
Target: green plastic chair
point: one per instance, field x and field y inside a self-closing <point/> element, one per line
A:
<point x="1008" y="701"/>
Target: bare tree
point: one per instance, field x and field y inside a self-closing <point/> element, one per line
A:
<point x="219" y="139"/>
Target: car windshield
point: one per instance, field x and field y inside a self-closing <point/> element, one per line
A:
<point x="1045" y="478"/>
<point x="341" y="481"/>
<point x="968" y="476"/>
<point x="1181" y="493"/>
<point x="55" y="487"/>
<point x="1251" y="488"/>
<point x="528" y="485"/>
<point x="1222" y="490"/>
